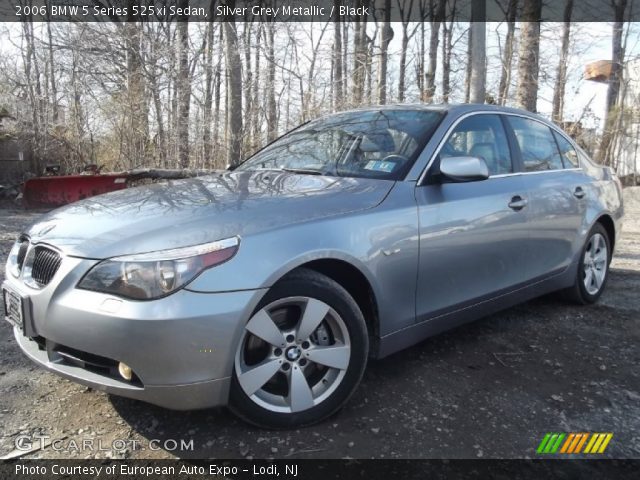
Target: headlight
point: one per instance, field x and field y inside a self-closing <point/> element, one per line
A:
<point x="16" y="256"/>
<point x="157" y="274"/>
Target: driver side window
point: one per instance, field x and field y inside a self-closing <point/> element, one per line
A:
<point x="481" y="136"/>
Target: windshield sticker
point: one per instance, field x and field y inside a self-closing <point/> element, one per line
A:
<point x="380" y="166"/>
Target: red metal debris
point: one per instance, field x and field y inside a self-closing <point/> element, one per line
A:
<point x="59" y="190"/>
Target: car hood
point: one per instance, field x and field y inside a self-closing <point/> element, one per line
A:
<point x="200" y="210"/>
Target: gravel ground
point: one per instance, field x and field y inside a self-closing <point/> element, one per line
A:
<point x="492" y="388"/>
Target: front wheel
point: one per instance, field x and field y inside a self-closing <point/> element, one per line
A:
<point x="301" y="355"/>
<point x="593" y="269"/>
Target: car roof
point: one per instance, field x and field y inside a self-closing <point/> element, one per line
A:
<point x="454" y="108"/>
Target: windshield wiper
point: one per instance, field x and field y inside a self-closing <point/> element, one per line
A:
<point x="307" y="171"/>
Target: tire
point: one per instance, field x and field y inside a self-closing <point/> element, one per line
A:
<point x="592" y="276"/>
<point x="312" y="360"/>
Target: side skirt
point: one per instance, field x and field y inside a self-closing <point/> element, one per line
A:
<point x="413" y="334"/>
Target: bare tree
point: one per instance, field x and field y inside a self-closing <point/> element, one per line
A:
<point x="528" y="68"/>
<point x="255" y="111"/>
<point x="405" y="8"/>
<point x="437" y="14"/>
<point x="360" y="55"/>
<point x="137" y="131"/>
<point x="507" y="54"/>
<point x="478" y="33"/>
<point x="208" y="95"/>
<point x="272" y="114"/>
<point x="385" y="39"/>
<point x="447" y="51"/>
<point x="183" y="90"/>
<point x="617" y="58"/>
<point x="234" y="76"/>
<point x="337" y="91"/>
<point x="52" y="68"/>
<point x="561" y="77"/>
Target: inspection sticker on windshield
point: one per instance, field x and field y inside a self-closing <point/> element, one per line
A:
<point x="380" y="166"/>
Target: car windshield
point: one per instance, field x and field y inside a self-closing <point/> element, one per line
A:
<point x="373" y="144"/>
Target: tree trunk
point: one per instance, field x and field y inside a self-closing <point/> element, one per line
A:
<point x="369" y="67"/>
<point x="248" y="82"/>
<point x="467" y="76"/>
<point x="345" y="58"/>
<point x="478" y="51"/>
<point x="256" y="125"/>
<point x="561" y="77"/>
<point x="272" y="113"/>
<point x="528" y="68"/>
<point x="138" y="128"/>
<point x="385" y="39"/>
<point x="360" y="55"/>
<point x="447" y="48"/>
<point x="617" y="58"/>
<point x="54" y="88"/>
<point x="234" y="75"/>
<point x="507" y="56"/>
<point x="208" y="96"/>
<point x="405" y="9"/>
<point x="420" y="73"/>
<point x="32" y="75"/>
<point x="437" y="16"/>
<point x="337" y="93"/>
<point x="403" y="62"/>
<point x="184" y="89"/>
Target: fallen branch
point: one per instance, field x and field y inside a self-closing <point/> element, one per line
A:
<point x="166" y="174"/>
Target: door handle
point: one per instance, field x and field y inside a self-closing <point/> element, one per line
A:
<point x="518" y="203"/>
<point x="579" y="192"/>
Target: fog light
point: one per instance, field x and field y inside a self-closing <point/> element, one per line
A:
<point x="125" y="371"/>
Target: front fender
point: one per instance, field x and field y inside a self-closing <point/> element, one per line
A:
<point x="382" y="243"/>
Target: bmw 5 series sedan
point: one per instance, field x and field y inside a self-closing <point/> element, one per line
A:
<point x="268" y="287"/>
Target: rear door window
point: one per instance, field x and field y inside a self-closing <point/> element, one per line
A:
<point x="537" y="144"/>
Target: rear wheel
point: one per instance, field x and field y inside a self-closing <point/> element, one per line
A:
<point x="301" y="355"/>
<point x="593" y="269"/>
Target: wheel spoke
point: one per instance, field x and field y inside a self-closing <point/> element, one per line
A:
<point x="335" y="356"/>
<point x="598" y="276"/>
<point x="252" y="380"/>
<point x="314" y="313"/>
<point x="300" y="395"/>
<point x="262" y="326"/>
<point x="601" y="256"/>
<point x="590" y="247"/>
<point x="588" y="279"/>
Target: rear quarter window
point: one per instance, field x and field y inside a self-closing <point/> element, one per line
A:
<point x="567" y="152"/>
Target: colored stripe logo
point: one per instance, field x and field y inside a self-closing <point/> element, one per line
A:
<point x="574" y="443"/>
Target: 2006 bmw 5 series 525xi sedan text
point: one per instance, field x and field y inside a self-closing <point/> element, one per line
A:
<point x="267" y="288"/>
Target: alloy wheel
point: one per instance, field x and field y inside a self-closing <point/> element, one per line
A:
<point x="293" y="355"/>
<point x="595" y="264"/>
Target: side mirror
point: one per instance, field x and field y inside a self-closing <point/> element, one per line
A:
<point x="464" y="169"/>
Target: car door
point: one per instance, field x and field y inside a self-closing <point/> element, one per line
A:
<point x="471" y="234"/>
<point x="557" y="194"/>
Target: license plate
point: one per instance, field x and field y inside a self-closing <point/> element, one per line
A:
<point x="13" y="309"/>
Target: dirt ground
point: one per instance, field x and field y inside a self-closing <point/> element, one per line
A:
<point x="492" y="388"/>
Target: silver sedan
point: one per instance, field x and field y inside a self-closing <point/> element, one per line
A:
<point x="267" y="288"/>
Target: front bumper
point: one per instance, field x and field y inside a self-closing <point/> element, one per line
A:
<point x="181" y="347"/>
<point x="191" y="396"/>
